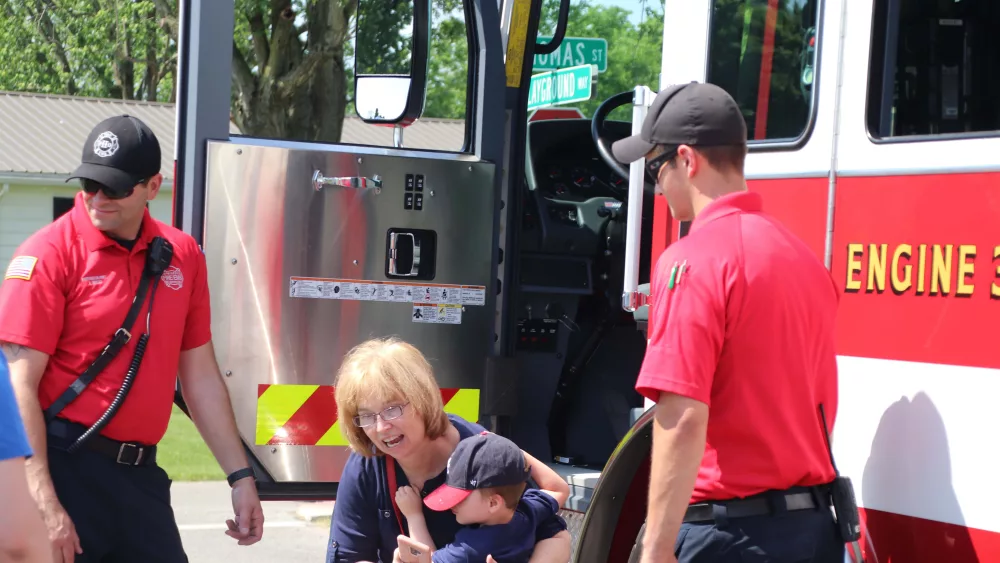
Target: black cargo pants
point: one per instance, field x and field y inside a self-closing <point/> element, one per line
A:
<point x="122" y="513"/>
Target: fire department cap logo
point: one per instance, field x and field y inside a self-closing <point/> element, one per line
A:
<point x="106" y="144"/>
<point x="173" y="278"/>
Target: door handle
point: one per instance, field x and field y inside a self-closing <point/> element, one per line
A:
<point x="319" y="181"/>
<point x="398" y="256"/>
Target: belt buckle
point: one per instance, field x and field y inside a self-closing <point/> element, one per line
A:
<point x="138" y="457"/>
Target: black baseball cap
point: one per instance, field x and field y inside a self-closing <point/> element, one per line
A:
<point x="693" y="114"/>
<point x="479" y="462"/>
<point x="120" y="152"/>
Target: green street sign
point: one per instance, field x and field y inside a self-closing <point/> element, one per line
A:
<point x="574" y="51"/>
<point x="564" y="86"/>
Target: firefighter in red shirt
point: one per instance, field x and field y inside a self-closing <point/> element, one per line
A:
<point x="740" y="355"/>
<point x="100" y="311"/>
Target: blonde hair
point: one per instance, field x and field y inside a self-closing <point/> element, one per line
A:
<point x="387" y="369"/>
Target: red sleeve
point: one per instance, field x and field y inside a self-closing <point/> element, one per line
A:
<point x="198" y="324"/>
<point x="33" y="296"/>
<point x="687" y="327"/>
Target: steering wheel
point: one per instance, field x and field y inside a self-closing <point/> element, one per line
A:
<point x="599" y="133"/>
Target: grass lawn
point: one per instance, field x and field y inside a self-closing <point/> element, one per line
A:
<point x="184" y="455"/>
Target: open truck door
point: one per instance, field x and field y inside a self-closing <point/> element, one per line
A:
<point x="313" y="248"/>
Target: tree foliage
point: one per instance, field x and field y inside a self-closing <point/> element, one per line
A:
<point x="292" y="68"/>
<point x="123" y="49"/>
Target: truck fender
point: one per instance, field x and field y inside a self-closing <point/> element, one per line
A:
<point x="617" y="508"/>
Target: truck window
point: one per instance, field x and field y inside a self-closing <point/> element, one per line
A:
<point x="932" y="68"/>
<point x="763" y="52"/>
<point x="315" y="103"/>
<point x="622" y="40"/>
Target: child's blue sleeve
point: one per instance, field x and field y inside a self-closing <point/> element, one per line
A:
<point x="457" y="553"/>
<point x="13" y="440"/>
<point x="544" y="513"/>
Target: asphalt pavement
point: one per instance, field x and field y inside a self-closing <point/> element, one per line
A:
<point x="291" y="532"/>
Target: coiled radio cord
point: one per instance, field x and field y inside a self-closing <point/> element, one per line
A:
<point x="133" y="369"/>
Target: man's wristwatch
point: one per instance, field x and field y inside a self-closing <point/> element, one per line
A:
<point x="239" y="474"/>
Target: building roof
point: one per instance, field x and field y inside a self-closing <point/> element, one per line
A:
<point x="44" y="134"/>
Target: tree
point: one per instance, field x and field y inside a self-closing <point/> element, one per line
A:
<point x="289" y="80"/>
<point x="116" y="49"/>
<point x="634" y="50"/>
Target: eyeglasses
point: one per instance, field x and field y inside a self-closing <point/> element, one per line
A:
<point x="92" y="187"/>
<point x="391" y="413"/>
<point x="653" y="165"/>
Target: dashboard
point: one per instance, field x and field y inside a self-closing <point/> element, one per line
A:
<point x="563" y="162"/>
<point x="572" y="193"/>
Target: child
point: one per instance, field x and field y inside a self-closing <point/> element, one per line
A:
<point x="485" y="488"/>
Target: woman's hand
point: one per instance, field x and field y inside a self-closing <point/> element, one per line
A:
<point x="409" y="502"/>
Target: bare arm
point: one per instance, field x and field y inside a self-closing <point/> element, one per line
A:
<point x="208" y="401"/>
<point x="419" y="532"/>
<point x="679" y="433"/>
<point x="553" y="550"/>
<point x="411" y="505"/>
<point x="23" y="536"/>
<point x="26" y="369"/>
<point x="548" y="480"/>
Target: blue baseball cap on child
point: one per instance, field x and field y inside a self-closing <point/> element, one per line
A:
<point x="479" y="462"/>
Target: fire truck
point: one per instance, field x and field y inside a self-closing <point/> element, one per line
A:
<point x="519" y="263"/>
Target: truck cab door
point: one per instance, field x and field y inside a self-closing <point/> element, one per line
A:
<point x="313" y="247"/>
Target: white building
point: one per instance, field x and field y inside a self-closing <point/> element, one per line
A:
<point x="42" y="137"/>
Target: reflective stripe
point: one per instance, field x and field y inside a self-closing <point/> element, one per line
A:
<point x="306" y="415"/>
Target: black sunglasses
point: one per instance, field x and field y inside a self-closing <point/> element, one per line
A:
<point x="92" y="187"/>
<point x="653" y="165"/>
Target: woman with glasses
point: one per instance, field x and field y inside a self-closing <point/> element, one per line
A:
<point x="394" y="419"/>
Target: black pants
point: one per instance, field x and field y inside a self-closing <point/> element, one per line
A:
<point x="121" y="513"/>
<point x="800" y="536"/>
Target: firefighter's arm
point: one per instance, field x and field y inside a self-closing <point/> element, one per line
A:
<point x="26" y="368"/>
<point x="688" y="323"/>
<point x="23" y="536"/>
<point x="547" y="479"/>
<point x="679" y="431"/>
<point x="204" y="389"/>
<point x="207" y="399"/>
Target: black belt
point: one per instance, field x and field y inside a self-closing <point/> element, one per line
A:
<point x="125" y="453"/>
<point x="757" y="505"/>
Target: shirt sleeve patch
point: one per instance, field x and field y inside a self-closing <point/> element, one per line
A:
<point x="21" y="268"/>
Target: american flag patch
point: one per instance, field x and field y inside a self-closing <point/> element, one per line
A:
<point x="20" y="268"/>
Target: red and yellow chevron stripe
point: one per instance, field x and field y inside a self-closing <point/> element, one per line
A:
<point x="306" y="415"/>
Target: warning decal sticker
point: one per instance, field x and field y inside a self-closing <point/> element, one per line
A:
<point x="386" y="291"/>
<point x="440" y="313"/>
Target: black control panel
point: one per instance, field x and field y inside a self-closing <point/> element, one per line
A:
<point x="537" y="335"/>
<point x="413" y="197"/>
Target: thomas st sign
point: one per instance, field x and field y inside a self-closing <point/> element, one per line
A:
<point x="564" y="86"/>
<point x="574" y="51"/>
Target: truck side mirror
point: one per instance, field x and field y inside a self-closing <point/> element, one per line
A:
<point x="390" y="60"/>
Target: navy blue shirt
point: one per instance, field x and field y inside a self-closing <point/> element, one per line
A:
<point x="364" y="526"/>
<point x="512" y="542"/>
<point x="13" y="440"/>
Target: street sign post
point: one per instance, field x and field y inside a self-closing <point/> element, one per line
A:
<point x="574" y="51"/>
<point x="564" y="86"/>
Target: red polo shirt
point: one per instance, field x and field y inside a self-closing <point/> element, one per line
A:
<point x="66" y="293"/>
<point x="746" y="327"/>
